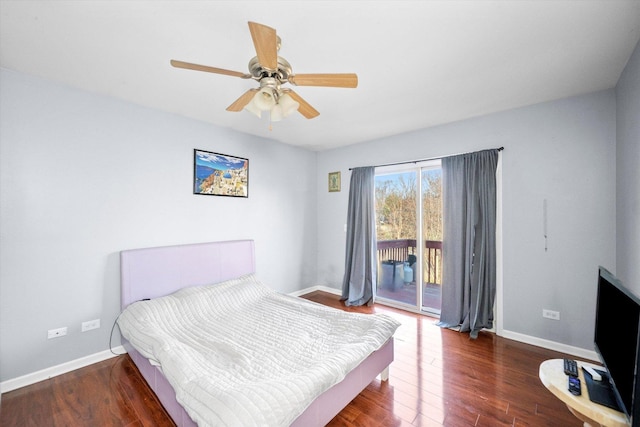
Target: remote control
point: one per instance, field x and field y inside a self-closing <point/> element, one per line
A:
<point x="571" y="367"/>
<point x="574" y="386"/>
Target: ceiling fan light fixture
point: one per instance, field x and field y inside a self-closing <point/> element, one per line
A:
<point x="277" y="113"/>
<point x="284" y="106"/>
<point x="288" y="104"/>
<point x="251" y="107"/>
<point x="265" y="99"/>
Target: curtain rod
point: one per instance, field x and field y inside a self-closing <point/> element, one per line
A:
<point x="425" y="160"/>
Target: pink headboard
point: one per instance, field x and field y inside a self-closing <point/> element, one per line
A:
<point x="155" y="272"/>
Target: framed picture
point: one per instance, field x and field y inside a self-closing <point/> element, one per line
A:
<point x="334" y="181"/>
<point x="216" y="174"/>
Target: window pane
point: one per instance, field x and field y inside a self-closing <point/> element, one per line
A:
<point x="432" y="235"/>
<point x="396" y="234"/>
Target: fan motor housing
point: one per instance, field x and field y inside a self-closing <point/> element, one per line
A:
<point x="258" y="71"/>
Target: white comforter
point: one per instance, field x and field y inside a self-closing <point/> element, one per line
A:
<point x="240" y="354"/>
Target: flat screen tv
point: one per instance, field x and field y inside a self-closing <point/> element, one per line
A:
<point x="616" y="341"/>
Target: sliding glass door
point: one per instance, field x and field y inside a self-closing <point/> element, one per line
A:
<point x="431" y="232"/>
<point x="409" y="234"/>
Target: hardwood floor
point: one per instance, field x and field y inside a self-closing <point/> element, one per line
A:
<point x="439" y="378"/>
<point x="108" y="393"/>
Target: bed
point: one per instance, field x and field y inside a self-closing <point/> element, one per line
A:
<point x="154" y="273"/>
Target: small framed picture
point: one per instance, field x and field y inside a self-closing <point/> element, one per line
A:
<point x="334" y="181"/>
<point x="216" y="174"/>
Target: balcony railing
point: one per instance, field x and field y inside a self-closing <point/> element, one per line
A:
<point x="399" y="250"/>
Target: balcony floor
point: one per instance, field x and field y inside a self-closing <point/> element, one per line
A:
<point x="407" y="294"/>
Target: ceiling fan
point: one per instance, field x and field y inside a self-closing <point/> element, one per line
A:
<point x="273" y="71"/>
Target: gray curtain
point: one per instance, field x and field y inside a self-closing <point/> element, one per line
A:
<point x="359" y="283"/>
<point x="469" y="244"/>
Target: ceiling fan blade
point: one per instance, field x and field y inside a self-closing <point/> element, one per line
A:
<point x="305" y="108"/>
<point x="244" y="99"/>
<point x="327" y="80"/>
<point x="265" y="41"/>
<point x="197" y="67"/>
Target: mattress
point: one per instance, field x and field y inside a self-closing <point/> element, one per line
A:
<point x="239" y="353"/>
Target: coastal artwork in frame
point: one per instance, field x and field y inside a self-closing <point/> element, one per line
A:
<point x="216" y="174"/>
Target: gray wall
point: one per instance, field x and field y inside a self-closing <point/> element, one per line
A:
<point x="562" y="151"/>
<point x="628" y="174"/>
<point x="85" y="176"/>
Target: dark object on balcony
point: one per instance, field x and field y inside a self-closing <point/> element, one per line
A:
<point x="411" y="260"/>
<point x="391" y="277"/>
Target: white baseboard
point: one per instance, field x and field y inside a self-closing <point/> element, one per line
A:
<point x="316" y="288"/>
<point x="551" y="345"/>
<point x="54" y="371"/>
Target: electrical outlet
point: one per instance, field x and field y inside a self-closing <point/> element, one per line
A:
<point x="550" y="314"/>
<point x="91" y="324"/>
<point x="55" y="333"/>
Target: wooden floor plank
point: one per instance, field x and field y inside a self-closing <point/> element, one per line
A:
<point x="439" y="378"/>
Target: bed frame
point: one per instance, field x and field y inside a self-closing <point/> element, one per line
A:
<point x="154" y="272"/>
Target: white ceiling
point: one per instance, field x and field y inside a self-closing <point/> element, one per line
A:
<point x="419" y="63"/>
